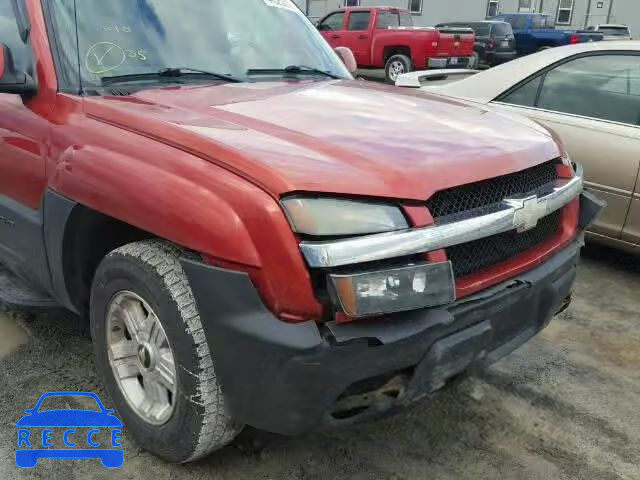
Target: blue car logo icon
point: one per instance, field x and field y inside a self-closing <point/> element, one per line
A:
<point x="81" y="432"/>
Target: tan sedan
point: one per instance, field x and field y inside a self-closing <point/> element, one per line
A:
<point x="589" y="94"/>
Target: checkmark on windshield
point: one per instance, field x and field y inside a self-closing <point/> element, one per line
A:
<point x="99" y="59"/>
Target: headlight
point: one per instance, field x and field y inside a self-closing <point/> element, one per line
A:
<point x="395" y="290"/>
<point x="332" y="217"/>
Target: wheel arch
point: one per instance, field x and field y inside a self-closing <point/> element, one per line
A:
<point x="391" y="50"/>
<point x="77" y="238"/>
<point x="171" y="195"/>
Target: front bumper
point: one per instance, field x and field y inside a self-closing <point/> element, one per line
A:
<point x="290" y="378"/>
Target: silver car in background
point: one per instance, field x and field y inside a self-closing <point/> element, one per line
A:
<point x="589" y="94"/>
<point x="613" y="32"/>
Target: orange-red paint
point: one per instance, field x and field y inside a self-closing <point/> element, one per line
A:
<point x="206" y="166"/>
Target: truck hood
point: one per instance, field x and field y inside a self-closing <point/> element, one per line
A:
<point x="335" y="137"/>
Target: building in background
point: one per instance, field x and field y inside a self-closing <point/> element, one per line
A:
<point x="576" y="14"/>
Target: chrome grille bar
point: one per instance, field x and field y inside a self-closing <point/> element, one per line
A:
<point x="514" y="214"/>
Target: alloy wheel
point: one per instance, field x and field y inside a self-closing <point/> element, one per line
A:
<point x="141" y="357"/>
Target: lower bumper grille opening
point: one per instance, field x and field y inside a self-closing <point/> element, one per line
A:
<point x="472" y="257"/>
<point x="372" y="395"/>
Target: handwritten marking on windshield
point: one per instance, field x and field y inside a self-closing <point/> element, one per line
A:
<point x="138" y="54"/>
<point x="115" y="28"/>
<point x="103" y="57"/>
<point x="100" y="58"/>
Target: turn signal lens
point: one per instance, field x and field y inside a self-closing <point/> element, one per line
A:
<point x="397" y="290"/>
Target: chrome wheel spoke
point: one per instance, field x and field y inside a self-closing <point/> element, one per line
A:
<point x="156" y="400"/>
<point x="166" y="370"/>
<point x="155" y="392"/>
<point x="126" y="368"/>
<point x="126" y="349"/>
<point x="156" y="334"/>
<point x="141" y="357"/>
<point x="134" y="318"/>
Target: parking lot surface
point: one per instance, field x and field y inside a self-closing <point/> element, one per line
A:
<point x="564" y="406"/>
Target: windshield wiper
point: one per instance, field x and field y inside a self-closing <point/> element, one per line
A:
<point x="293" y="69"/>
<point x="168" y="73"/>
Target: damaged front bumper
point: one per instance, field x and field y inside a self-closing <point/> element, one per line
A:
<point x="291" y="378"/>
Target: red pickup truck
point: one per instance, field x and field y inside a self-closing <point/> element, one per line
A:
<point x="384" y="37"/>
<point x="253" y="236"/>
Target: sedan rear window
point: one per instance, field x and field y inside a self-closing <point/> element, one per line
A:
<point x="605" y="87"/>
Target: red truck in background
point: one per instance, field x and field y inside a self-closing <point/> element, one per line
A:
<point x="384" y="37"/>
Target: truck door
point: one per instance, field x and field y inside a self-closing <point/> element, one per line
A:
<point x="22" y="160"/>
<point x="357" y="36"/>
<point x="331" y="28"/>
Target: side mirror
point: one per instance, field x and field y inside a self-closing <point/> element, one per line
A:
<point x="12" y="80"/>
<point x="347" y="57"/>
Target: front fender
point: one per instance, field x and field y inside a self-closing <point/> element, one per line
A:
<point x="196" y="204"/>
<point x="172" y="203"/>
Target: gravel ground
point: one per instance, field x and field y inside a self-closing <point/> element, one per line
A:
<point x="564" y="406"/>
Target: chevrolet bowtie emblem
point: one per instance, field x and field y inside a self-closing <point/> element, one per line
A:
<point x="528" y="212"/>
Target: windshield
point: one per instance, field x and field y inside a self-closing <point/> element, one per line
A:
<point x="127" y="37"/>
<point x="614" y="31"/>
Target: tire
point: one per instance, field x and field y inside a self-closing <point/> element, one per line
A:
<point x="474" y="62"/>
<point x="397" y="65"/>
<point x="144" y="283"/>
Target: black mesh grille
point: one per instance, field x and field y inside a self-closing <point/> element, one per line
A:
<point x="475" y="256"/>
<point x="492" y="191"/>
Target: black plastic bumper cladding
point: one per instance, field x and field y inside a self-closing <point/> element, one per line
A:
<point x="590" y="208"/>
<point x="286" y="378"/>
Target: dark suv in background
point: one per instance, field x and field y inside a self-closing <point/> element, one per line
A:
<point x="495" y="42"/>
